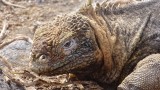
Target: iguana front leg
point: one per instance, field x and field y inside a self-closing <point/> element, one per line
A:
<point x="146" y="75"/>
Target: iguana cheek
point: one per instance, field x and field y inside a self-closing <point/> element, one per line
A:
<point x="67" y="52"/>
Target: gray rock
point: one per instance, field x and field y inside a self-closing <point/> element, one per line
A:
<point x="17" y="52"/>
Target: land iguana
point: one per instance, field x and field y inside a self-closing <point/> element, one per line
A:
<point x="118" y="47"/>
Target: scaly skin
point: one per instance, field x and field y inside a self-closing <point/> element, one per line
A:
<point x="100" y="44"/>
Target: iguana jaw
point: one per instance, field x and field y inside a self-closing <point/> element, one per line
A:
<point x="46" y="68"/>
<point x="77" y="66"/>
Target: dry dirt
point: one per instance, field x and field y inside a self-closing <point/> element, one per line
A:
<point x="23" y="19"/>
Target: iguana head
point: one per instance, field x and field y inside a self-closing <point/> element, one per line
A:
<point x="67" y="45"/>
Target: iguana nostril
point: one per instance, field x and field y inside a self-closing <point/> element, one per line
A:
<point x="42" y="57"/>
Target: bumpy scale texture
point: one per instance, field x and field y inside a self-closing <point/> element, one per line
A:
<point x="146" y="75"/>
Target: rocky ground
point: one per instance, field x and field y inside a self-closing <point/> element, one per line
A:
<point x="18" y="21"/>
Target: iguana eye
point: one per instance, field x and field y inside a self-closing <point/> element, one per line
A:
<point x="69" y="44"/>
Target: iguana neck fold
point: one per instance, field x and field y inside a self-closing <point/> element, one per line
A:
<point x="108" y="44"/>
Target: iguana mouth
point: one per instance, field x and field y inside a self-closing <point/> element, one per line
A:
<point x="60" y="66"/>
<point x="47" y="68"/>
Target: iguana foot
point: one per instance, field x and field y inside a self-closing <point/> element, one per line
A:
<point x="146" y="75"/>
